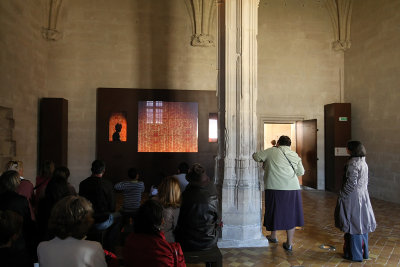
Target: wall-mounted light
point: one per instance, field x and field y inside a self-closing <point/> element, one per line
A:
<point x="213" y="127"/>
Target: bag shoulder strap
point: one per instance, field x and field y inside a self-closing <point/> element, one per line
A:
<point x="291" y="165"/>
<point x="39" y="185"/>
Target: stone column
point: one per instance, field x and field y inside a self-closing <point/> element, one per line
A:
<point x="241" y="192"/>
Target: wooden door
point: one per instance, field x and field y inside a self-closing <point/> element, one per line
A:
<point x="306" y="147"/>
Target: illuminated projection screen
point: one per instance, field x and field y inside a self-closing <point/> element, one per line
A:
<point x="167" y="126"/>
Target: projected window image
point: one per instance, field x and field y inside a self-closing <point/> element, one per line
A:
<point x="167" y="126"/>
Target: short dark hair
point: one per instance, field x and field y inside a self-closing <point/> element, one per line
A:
<point x="149" y="218"/>
<point x="71" y="216"/>
<point x="284" y="141"/>
<point x="61" y="171"/>
<point x="47" y="168"/>
<point x="132" y="173"/>
<point x="10" y="225"/>
<point x="356" y="149"/>
<point x="195" y="173"/>
<point x="98" y="166"/>
<point x="56" y="189"/>
<point x="9" y="181"/>
<point x="183" y="167"/>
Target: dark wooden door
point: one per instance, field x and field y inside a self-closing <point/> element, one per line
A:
<point x="306" y="147"/>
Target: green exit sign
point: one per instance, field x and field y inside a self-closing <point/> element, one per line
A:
<point x="342" y="118"/>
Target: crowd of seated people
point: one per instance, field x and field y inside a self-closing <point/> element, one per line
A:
<point x="55" y="223"/>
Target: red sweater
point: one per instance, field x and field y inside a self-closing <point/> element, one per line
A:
<point x="151" y="250"/>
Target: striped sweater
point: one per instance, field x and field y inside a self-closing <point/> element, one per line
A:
<point x="132" y="191"/>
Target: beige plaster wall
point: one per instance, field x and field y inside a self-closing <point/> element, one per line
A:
<point x="372" y="86"/>
<point x="122" y="44"/>
<point x="298" y="72"/>
<point x="22" y="74"/>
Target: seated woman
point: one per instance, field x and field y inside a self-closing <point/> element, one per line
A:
<point x="70" y="220"/>
<point x="169" y="196"/>
<point x="64" y="172"/>
<point x="25" y="187"/>
<point x="10" y="229"/>
<point x="147" y="246"/>
<point x="11" y="200"/>
<point x="56" y="190"/>
<point x="42" y="180"/>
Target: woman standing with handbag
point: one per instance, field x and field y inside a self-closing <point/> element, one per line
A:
<point x="353" y="213"/>
<point x="283" y="203"/>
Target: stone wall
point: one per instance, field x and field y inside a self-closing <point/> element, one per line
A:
<point x="146" y="44"/>
<point x="372" y="86"/>
<point x="298" y="72"/>
<point x="23" y="73"/>
<point x="121" y="44"/>
<point x="7" y="144"/>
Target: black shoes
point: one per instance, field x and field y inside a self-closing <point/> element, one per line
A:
<point x="287" y="247"/>
<point x="271" y="240"/>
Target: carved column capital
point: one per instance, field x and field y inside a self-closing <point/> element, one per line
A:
<point x="202" y="13"/>
<point x="50" y="32"/>
<point x="340" y="12"/>
<point x="202" y="40"/>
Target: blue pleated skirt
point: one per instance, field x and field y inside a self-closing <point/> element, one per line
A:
<point x="283" y="209"/>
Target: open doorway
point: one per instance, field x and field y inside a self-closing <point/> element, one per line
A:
<point x="303" y="134"/>
<point x="272" y="131"/>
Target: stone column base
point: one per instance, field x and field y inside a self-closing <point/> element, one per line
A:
<point x="260" y="242"/>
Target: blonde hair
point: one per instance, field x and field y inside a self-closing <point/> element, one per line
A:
<point x="15" y="165"/>
<point x="169" y="192"/>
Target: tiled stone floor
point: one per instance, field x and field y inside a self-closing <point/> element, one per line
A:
<point x="384" y="243"/>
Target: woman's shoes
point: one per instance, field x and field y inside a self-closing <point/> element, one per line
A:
<point x="271" y="240"/>
<point x="287" y="247"/>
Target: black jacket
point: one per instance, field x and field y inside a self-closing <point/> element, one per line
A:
<point x="100" y="193"/>
<point x="198" y="222"/>
<point x="10" y="200"/>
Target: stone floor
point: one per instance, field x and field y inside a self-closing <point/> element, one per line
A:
<point x="384" y="243"/>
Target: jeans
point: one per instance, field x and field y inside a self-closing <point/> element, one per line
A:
<point x="356" y="247"/>
<point x="107" y="223"/>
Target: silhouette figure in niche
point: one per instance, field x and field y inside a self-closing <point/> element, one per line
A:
<point x="116" y="137"/>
